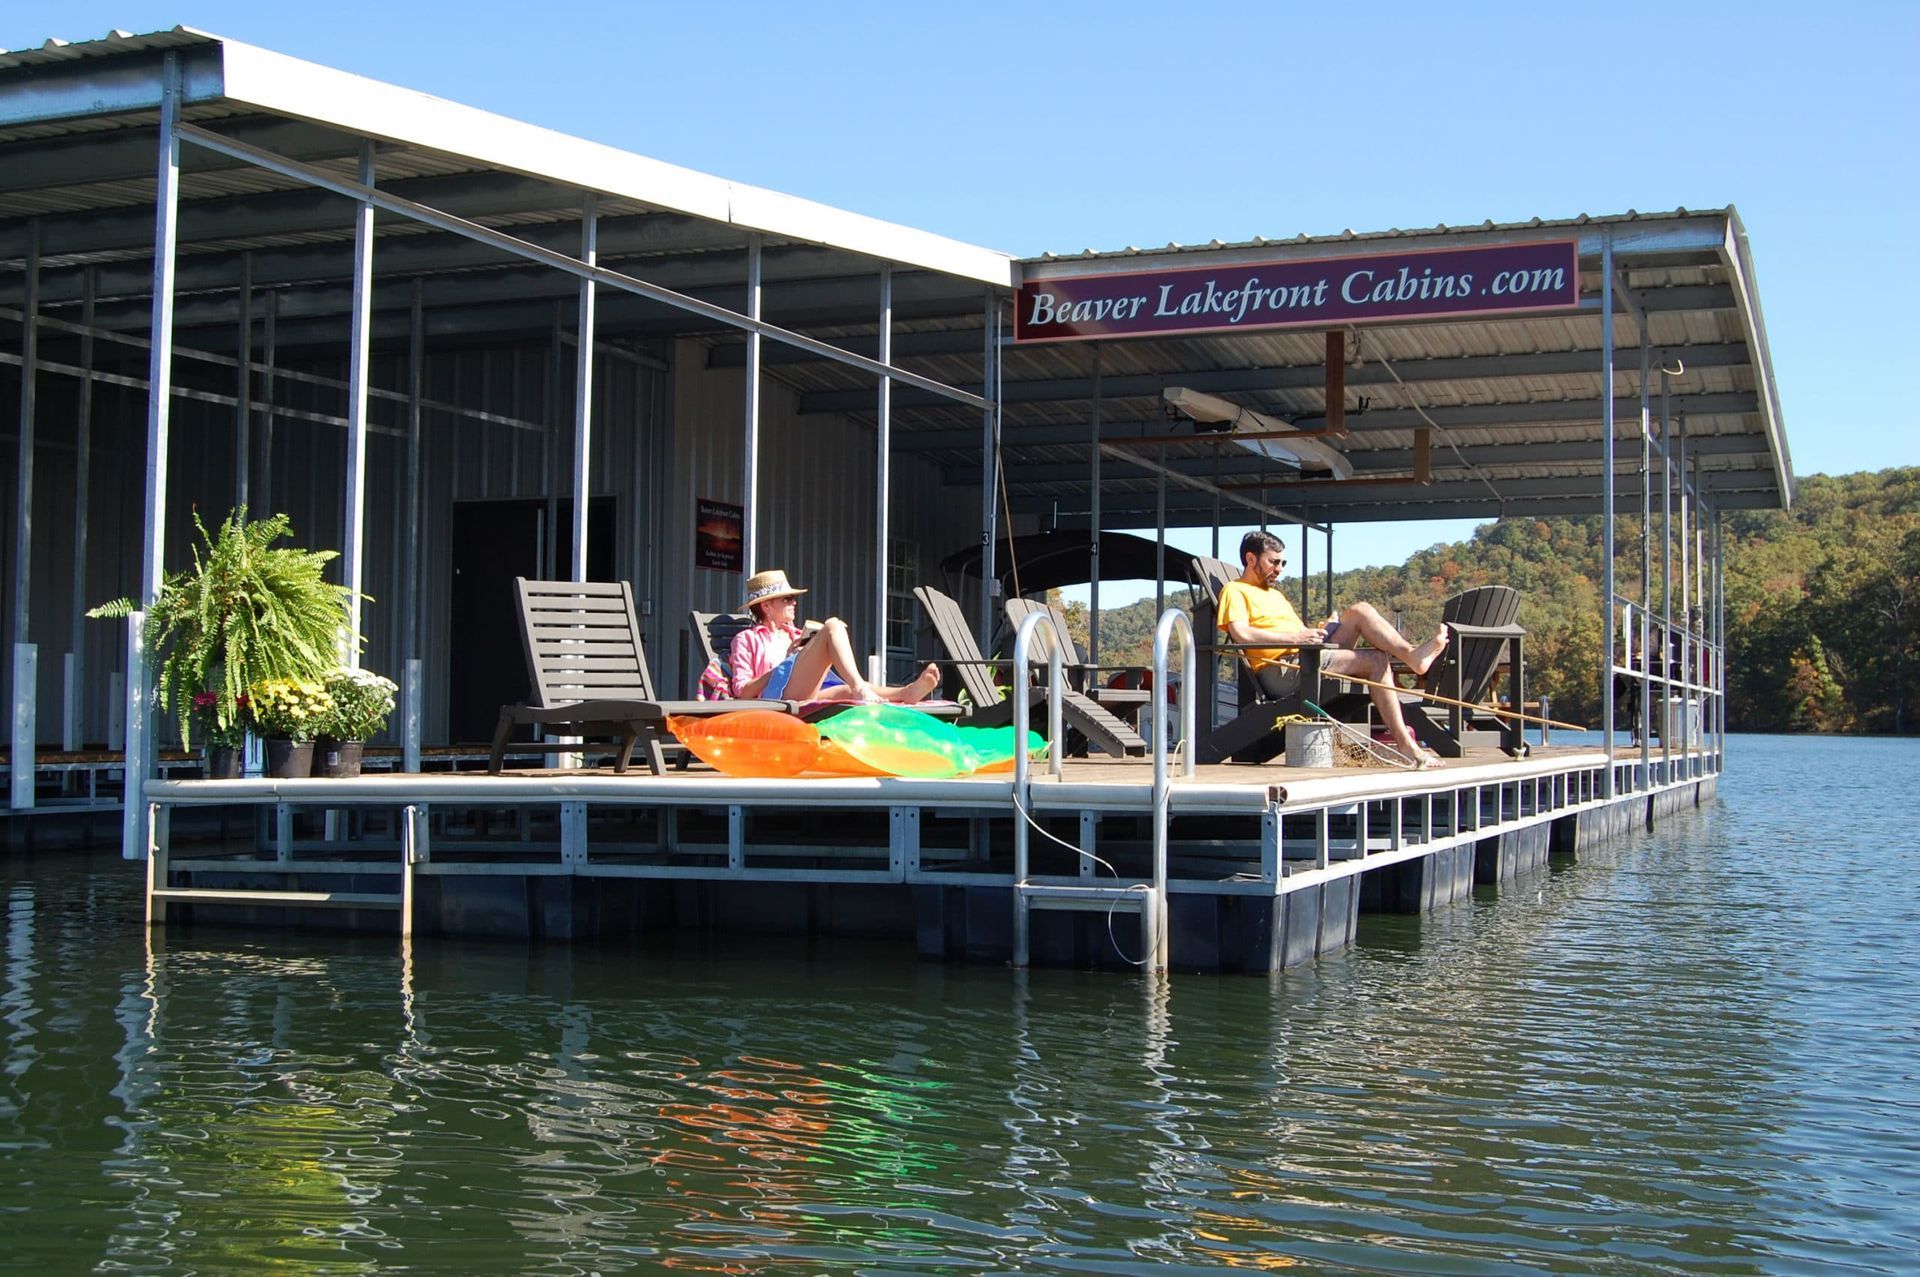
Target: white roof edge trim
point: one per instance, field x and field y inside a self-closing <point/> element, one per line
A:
<point x="1746" y="294"/>
<point x="1698" y="231"/>
<point x="290" y="86"/>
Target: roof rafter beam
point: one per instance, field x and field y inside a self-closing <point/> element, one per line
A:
<point x="564" y="263"/>
<point x="1465" y="417"/>
<point x="1313" y="376"/>
<point x="1023" y="475"/>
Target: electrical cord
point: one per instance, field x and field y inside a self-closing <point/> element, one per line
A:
<point x="1445" y="436"/>
<point x="1166" y="803"/>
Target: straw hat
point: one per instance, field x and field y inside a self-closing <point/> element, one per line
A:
<point x="771" y="584"/>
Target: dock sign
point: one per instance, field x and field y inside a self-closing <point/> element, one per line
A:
<point x="1316" y="292"/>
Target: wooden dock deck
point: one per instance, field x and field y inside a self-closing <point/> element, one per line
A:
<point x="1263" y="866"/>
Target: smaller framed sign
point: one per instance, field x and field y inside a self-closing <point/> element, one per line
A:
<point x="717" y="535"/>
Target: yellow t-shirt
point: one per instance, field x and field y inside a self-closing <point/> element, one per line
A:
<point x="1263" y="610"/>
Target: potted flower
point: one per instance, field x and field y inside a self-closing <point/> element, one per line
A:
<point x="289" y="711"/>
<point x="246" y="612"/>
<point x="226" y="742"/>
<point x="361" y="702"/>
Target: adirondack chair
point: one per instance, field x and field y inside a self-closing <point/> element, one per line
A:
<point x="991" y="707"/>
<point x="1486" y="633"/>
<point x="1250" y="736"/>
<point x="588" y="671"/>
<point x="1082" y="675"/>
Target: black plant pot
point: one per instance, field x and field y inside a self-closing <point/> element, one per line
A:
<point x="224" y="762"/>
<point x="337" y="759"/>
<point x="289" y="759"/>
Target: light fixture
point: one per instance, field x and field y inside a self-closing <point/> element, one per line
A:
<point x="1202" y="407"/>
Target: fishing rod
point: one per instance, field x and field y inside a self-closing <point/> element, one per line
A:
<point x="1448" y="700"/>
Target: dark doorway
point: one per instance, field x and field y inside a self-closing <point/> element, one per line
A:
<point x="493" y="542"/>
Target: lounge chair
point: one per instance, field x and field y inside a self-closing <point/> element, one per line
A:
<point x="1082" y="675"/>
<point x="1250" y="736"/>
<point x="588" y="669"/>
<point x="1486" y="634"/>
<point x="991" y="707"/>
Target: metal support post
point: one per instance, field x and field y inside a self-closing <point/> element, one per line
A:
<point x="243" y="386"/>
<point x="1306" y="565"/>
<point x="1666" y="602"/>
<point x="73" y="728"/>
<point x="23" y="500"/>
<point x="882" y="474"/>
<point x="26" y="684"/>
<point x="750" y="456"/>
<point x="410" y="597"/>
<point x="989" y="468"/>
<point x="269" y="354"/>
<point x="1645" y="731"/>
<point x="583" y="385"/>
<point x="411" y="690"/>
<point x="1093" y="549"/>
<point x="357" y="356"/>
<point x="1606" y="495"/>
<point x="1160" y="534"/>
<point x="166" y="231"/>
<point x="133" y="806"/>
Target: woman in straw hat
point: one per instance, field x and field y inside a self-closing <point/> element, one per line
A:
<point x="776" y="659"/>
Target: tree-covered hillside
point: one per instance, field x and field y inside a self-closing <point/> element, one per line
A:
<point x="1823" y="604"/>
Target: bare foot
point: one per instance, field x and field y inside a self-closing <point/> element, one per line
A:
<point x="926" y="685"/>
<point x="1421" y="659"/>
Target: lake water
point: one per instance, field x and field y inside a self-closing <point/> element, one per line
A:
<point x="1693" y="1052"/>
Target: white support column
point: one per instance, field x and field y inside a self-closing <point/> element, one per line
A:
<point x="72" y="728"/>
<point x="1606" y="497"/>
<point x="410" y="599"/>
<point x="26" y="682"/>
<point x="750" y="463"/>
<point x="1646" y="548"/>
<point x="133" y="804"/>
<point x="17" y="625"/>
<point x="269" y="352"/>
<point x="1093" y="547"/>
<point x="356" y="512"/>
<point x="166" y="231"/>
<point x="989" y="468"/>
<point x="243" y="388"/>
<point x="883" y="473"/>
<point x="583" y="385"/>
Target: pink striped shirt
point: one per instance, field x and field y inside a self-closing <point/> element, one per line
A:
<point x="759" y="648"/>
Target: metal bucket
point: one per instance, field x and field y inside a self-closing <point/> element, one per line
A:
<point x="1309" y="744"/>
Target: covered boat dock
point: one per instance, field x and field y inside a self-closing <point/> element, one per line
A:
<point x="459" y="348"/>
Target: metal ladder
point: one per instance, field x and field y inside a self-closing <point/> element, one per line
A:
<point x="1149" y="904"/>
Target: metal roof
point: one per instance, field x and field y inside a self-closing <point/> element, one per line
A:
<point x="1515" y="399"/>
<point x="1514" y="402"/>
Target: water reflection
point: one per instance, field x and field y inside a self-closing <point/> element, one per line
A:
<point x="1663" y="1059"/>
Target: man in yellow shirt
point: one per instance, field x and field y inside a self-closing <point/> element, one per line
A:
<point x="1253" y="611"/>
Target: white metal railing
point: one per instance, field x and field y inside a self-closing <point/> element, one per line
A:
<point x="1173" y="618"/>
<point x="1022" y="692"/>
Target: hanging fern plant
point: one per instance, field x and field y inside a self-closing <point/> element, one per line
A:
<point x="245" y="612"/>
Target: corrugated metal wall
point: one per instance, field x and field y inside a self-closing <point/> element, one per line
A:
<point x="816" y="496"/>
<point x="816" y="504"/>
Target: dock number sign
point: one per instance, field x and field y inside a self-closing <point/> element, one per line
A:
<point x="1317" y="292"/>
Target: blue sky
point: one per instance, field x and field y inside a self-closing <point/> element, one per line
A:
<point x="1054" y="127"/>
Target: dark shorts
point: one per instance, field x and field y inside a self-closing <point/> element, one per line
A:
<point x="1277" y="682"/>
